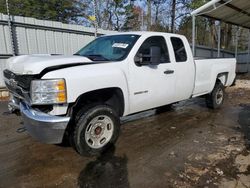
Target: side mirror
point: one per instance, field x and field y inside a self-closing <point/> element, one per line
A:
<point x="153" y="58"/>
<point x="155" y="55"/>
<point x="142" y="59"/>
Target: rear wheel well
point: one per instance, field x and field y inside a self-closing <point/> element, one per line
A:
<point x="222" y="77"/>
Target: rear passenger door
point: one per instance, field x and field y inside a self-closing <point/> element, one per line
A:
<point x="151" y="85"/>
<point x="184" y="67"/>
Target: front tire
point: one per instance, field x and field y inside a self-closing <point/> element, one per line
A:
<point x="215" y="99"/>
<point x="97" y="128"/>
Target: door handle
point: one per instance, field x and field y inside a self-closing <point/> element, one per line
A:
<point x="169" y="72"/>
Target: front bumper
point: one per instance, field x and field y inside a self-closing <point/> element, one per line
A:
<point x="45" y="128"/>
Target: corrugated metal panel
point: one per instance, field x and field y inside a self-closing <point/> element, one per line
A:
<point x="42" y="36"/>
<point x="5" y="45"/>
<point x="42" y="47"/>
<point x="2" y="67"/>
<point x="3" y="49"/>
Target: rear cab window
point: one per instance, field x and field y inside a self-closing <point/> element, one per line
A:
<point x="179" y="49"/>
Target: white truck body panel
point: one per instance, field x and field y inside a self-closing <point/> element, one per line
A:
<point x="88" y="78"/>
<point x="34" y="64"/>
<point x="207" y="71"/>
<point x="151" y="79"/>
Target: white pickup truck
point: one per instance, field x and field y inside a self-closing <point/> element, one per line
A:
<point x="83" y="96"/>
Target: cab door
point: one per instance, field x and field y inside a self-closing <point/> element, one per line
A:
<point x="151" y="85"/>
<point x="184" y="67"/>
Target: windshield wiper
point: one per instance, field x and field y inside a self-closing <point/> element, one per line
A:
<point x="96" y="57"/>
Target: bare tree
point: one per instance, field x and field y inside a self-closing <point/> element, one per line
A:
<point x="149" y="16"/>
<point x="173" y="16"/>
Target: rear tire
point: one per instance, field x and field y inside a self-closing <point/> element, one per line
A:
<point x="215" y="99"/>
<point x="97" y="128"/>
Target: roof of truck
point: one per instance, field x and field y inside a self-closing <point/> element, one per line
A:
<point x="144" y="33"/>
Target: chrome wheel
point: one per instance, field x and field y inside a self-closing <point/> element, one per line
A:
<point x="99" y="131"/>
<point x="219" y="96"/>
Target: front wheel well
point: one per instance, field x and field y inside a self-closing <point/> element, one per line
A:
<point x="112" y="97"/>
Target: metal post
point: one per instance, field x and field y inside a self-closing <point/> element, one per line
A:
<point x="193" y="34"/>
<point x="236" y="43"/>
<point x="95" y="13"/>
<point x="10" y="28"/>
<point x="219" y="40"/>
<point x="248" y="51"/>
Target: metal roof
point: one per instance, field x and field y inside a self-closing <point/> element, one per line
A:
<point x="236" y="12"/>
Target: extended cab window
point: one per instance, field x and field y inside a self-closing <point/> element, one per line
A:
<point x="155" y="41"/>
<point x="179" y="49"/>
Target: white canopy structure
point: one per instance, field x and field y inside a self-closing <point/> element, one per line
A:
<point x="235" y="12"/>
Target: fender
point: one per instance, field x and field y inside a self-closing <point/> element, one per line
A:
<point x="83" y="79"/>
<point x="217" y="71"/>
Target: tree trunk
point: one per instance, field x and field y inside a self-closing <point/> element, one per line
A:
<point x="173" y="16"/>
<point x="157" y="13"/>
<point x="149" y="15"/>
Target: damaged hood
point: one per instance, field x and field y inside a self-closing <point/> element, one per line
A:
<point x="34" y="64"/>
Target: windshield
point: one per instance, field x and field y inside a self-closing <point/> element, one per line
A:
<point x="109" y="48"/>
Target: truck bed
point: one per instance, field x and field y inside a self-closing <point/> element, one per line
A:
<point x="207" y="70"/>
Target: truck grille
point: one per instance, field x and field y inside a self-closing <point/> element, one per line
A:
<point x="21" y="80"/>
<point x="18" y="84"/>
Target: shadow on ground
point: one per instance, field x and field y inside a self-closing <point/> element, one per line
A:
<point x="107" y="171"/>
<point x="244" y="121"/>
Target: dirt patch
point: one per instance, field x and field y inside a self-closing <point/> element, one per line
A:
<point x="228" y="172"/>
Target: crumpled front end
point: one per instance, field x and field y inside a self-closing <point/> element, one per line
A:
<point x="43" y="127"/>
